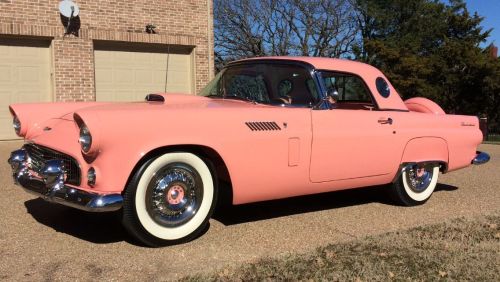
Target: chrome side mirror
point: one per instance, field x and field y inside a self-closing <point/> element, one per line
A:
<point x="334" y="94"/>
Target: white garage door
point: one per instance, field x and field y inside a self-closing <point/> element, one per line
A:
<point x="24" y="77"/>
<point x="129" y="75"/>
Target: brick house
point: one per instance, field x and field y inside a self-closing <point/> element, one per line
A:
<point x="112" y="58"/>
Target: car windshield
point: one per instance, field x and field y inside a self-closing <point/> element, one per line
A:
<point x="264" y="83"/>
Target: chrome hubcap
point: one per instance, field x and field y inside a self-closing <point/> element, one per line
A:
<point x="419" y="177"/>
<point x="174" y="195"/>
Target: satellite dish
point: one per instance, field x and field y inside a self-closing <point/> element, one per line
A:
<point x="68" y="9"/>
<point x="69" y="17"/>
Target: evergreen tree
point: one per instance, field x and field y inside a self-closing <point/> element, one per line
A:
<point x="431" y="49"/>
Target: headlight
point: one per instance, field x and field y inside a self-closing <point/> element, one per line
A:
<point x="85" y="139"/>
<point x="16" y="123"/>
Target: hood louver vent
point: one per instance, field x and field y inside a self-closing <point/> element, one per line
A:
<point x="263" y="126"/>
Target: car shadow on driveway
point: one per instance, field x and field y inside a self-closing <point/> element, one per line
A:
<point x="99" y="228"/>
<point x="102" y="228"/>
<point x="229" y="215"/>
<point x="445" y="187"/>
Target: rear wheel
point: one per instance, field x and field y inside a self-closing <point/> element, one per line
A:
<point x="415" y="184"/>
<point x="169" y="200"/>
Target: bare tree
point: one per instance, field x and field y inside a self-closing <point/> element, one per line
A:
<point x="248" y="28"/>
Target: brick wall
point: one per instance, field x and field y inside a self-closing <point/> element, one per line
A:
<point x="187" y="22"/>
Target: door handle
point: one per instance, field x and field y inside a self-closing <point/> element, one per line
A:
<point x="385" y="120"/>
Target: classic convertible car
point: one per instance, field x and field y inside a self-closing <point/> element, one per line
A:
<point x="271" y="128"/>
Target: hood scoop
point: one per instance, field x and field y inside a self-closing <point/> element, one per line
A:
<point x="155" y="98"/>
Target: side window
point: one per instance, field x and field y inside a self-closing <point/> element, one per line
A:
<point x="311" y="86"/>
<point x="352" y="91"/>
<point x="268" y="83"/>
<point x="251" y="87"/>
<point x="213" y="88"/>
<point x="292" y="85"/>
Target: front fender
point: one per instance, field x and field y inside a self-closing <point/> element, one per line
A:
<point x="125" y="139"/>
<point x="32" y="115"/>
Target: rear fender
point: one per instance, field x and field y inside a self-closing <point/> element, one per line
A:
<point x="426" y="149"/>
<point x="423" y="105"/>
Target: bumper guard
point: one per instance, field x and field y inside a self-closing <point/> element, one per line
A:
<point x="49" y="185"/>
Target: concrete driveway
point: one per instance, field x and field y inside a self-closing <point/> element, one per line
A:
<point x="39" y="240"/>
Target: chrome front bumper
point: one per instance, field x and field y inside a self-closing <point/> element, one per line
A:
<point x="481" y="158"/>
<point x="49" y="185"/>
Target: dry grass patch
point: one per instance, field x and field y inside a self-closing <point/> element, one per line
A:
<point x="462" y="249"/>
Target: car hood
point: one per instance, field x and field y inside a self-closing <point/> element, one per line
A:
<point x="171" y="102"/>
<point x="37" y="117"/>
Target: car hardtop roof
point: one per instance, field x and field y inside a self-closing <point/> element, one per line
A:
<point x="317" y="62"/>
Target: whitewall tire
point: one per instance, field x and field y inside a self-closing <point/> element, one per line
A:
<point x="170" y="199"/>
<point x="415" y="184"/>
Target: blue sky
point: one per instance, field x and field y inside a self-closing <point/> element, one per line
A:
<point x="490" y="10"/>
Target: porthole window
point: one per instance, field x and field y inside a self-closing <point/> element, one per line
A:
<point x="383" y="87"/>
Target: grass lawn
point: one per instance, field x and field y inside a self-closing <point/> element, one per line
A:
<point x="462" y="249"/>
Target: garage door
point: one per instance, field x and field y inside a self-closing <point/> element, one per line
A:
<point x="129" y="73"/>
<point x="24" y="77"/>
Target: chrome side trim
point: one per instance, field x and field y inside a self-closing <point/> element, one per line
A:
<point x="481" y="158"/>
<point x="50" y="185"/>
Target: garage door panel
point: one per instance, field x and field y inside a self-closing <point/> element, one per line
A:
<point x="139" y="95"/>
<point x="143" y="58"/>
<point x="158" y="77"/>
<point x="24" y="78"/>
<point x="107" y="93"/>
<point x="103" y="76"/>
<point x="7" y="99"/>
<point x="179" y="67"/>
<point x="124" y="76"/>
<point x="123" y="95"/>
<point x="136" y="74"/>
<point x="102" y="59"/>
<point x="28" y="53"/>
<point x="4" y="51"/>
<point x="29" y="74"/>
<point x="30" y="96"/>
<point x="144" y="76"/>
<point x="5" y="74"/>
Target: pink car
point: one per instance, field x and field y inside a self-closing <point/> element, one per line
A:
<point x="270" y="128"/>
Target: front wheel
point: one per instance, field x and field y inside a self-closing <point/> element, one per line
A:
<point x="169" y="200"/>
<point x="415" y="184"/>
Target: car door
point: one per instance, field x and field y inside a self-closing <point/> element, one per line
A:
<point x="352" y="140"/>
<point x="268" y="146"/>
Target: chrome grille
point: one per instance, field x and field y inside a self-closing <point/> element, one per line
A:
<point x="39" y="155"/>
